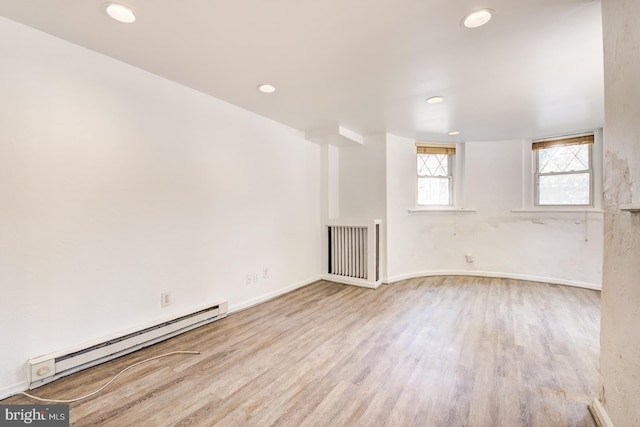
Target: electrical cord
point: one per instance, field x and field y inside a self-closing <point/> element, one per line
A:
<point x="110" y="381"/>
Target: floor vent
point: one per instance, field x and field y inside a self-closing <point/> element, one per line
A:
<point x="45" y="369"/>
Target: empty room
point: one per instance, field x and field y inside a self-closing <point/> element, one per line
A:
<point x="367" y="213"/>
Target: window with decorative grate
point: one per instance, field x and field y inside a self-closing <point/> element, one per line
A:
<point x="435" y="174"/>
<point x="563" y="171"/>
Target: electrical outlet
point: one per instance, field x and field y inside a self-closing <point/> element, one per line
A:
<point x="265" y="273"/>
<point x="248" y="279"/>
<point x="165" y="299"/>
<point x="468" y="258"/>
<point x="255" y="277"/>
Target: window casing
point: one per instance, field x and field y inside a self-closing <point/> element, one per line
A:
<point x="564" y="172"/>
<point x="435" y="164"/>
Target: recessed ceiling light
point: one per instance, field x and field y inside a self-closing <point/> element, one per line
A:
<point x="435" y="100"/>
<point x="454" y="133"/>
<point x="120" y="12"/>
<point x="477" y="18"/>
<point x="266" y="88"/>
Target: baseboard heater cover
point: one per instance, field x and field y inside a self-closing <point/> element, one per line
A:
<point x="47" y="368"/>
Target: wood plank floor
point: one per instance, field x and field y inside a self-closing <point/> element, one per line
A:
<point x="439" y="351"/>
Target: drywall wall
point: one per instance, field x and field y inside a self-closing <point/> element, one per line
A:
<point x="362" y="179"/>
<point x="362" y="187"/>
<point x="619" y="339"/>
<point x="330" y="188"/>
<point x="557" y="247"/>
<point x="117" y="185"/>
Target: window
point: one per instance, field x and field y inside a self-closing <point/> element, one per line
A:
<point x="563" y="172"/>
<point x="435" y="174"/>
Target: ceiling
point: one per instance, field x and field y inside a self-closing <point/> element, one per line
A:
<point x="535" y="70"/>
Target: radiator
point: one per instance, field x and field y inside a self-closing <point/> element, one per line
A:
<point x="353" y="253"/>
<point x="348" y="251"/>
<point x="50" y="367"/>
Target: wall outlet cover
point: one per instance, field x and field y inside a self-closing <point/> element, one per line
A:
<point x="165" y="299"/>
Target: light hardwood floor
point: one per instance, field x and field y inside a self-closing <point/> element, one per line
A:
<point x="439" y="351"/>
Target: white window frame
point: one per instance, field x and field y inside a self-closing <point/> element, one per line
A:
<point x="449" y="177"/>
<point x="529" y="183"/>
<point x="457" y="173"/>
<point x="538" y="174"/>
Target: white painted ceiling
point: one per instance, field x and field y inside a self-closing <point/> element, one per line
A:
<point x="534" y="70"/>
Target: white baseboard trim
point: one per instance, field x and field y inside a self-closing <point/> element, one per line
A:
<point x="600" y="414"/>
<point x="348" y="281"/>
<point x="478" y="273"/>
<point x="271" y="295"/>
<point x="13" y="389"/>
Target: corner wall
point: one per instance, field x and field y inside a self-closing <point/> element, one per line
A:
<point x="619" y="337"/>
<point x="117" y="185"/>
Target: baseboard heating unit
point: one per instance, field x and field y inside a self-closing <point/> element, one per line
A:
<point x="50" y="367"/>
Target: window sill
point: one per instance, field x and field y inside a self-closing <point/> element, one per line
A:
<point x="635" y="208"/>
<point x="441" y="209"/>
<point x="569" y="210"/>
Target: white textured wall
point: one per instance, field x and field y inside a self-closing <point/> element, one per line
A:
<point x="541" y="246"/>
<point x="620" y="339"/>
<point x="116" y="185"/>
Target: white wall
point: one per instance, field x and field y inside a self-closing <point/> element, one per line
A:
<point x="362" y="179"/>
<point x="116" y="185"/>
<point x="362" y="188"/>
<point x="536" y="246"/>
<point x="330" y="188"/>
<point x="619" y="337"/>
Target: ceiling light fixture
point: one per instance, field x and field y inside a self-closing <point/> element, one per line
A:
<point x="477" y="18"/>
<point x="435" y="100"/>
<point x="454" y="133"/>
<point x="120" y="12"/>
<point x="266" y="88"/>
